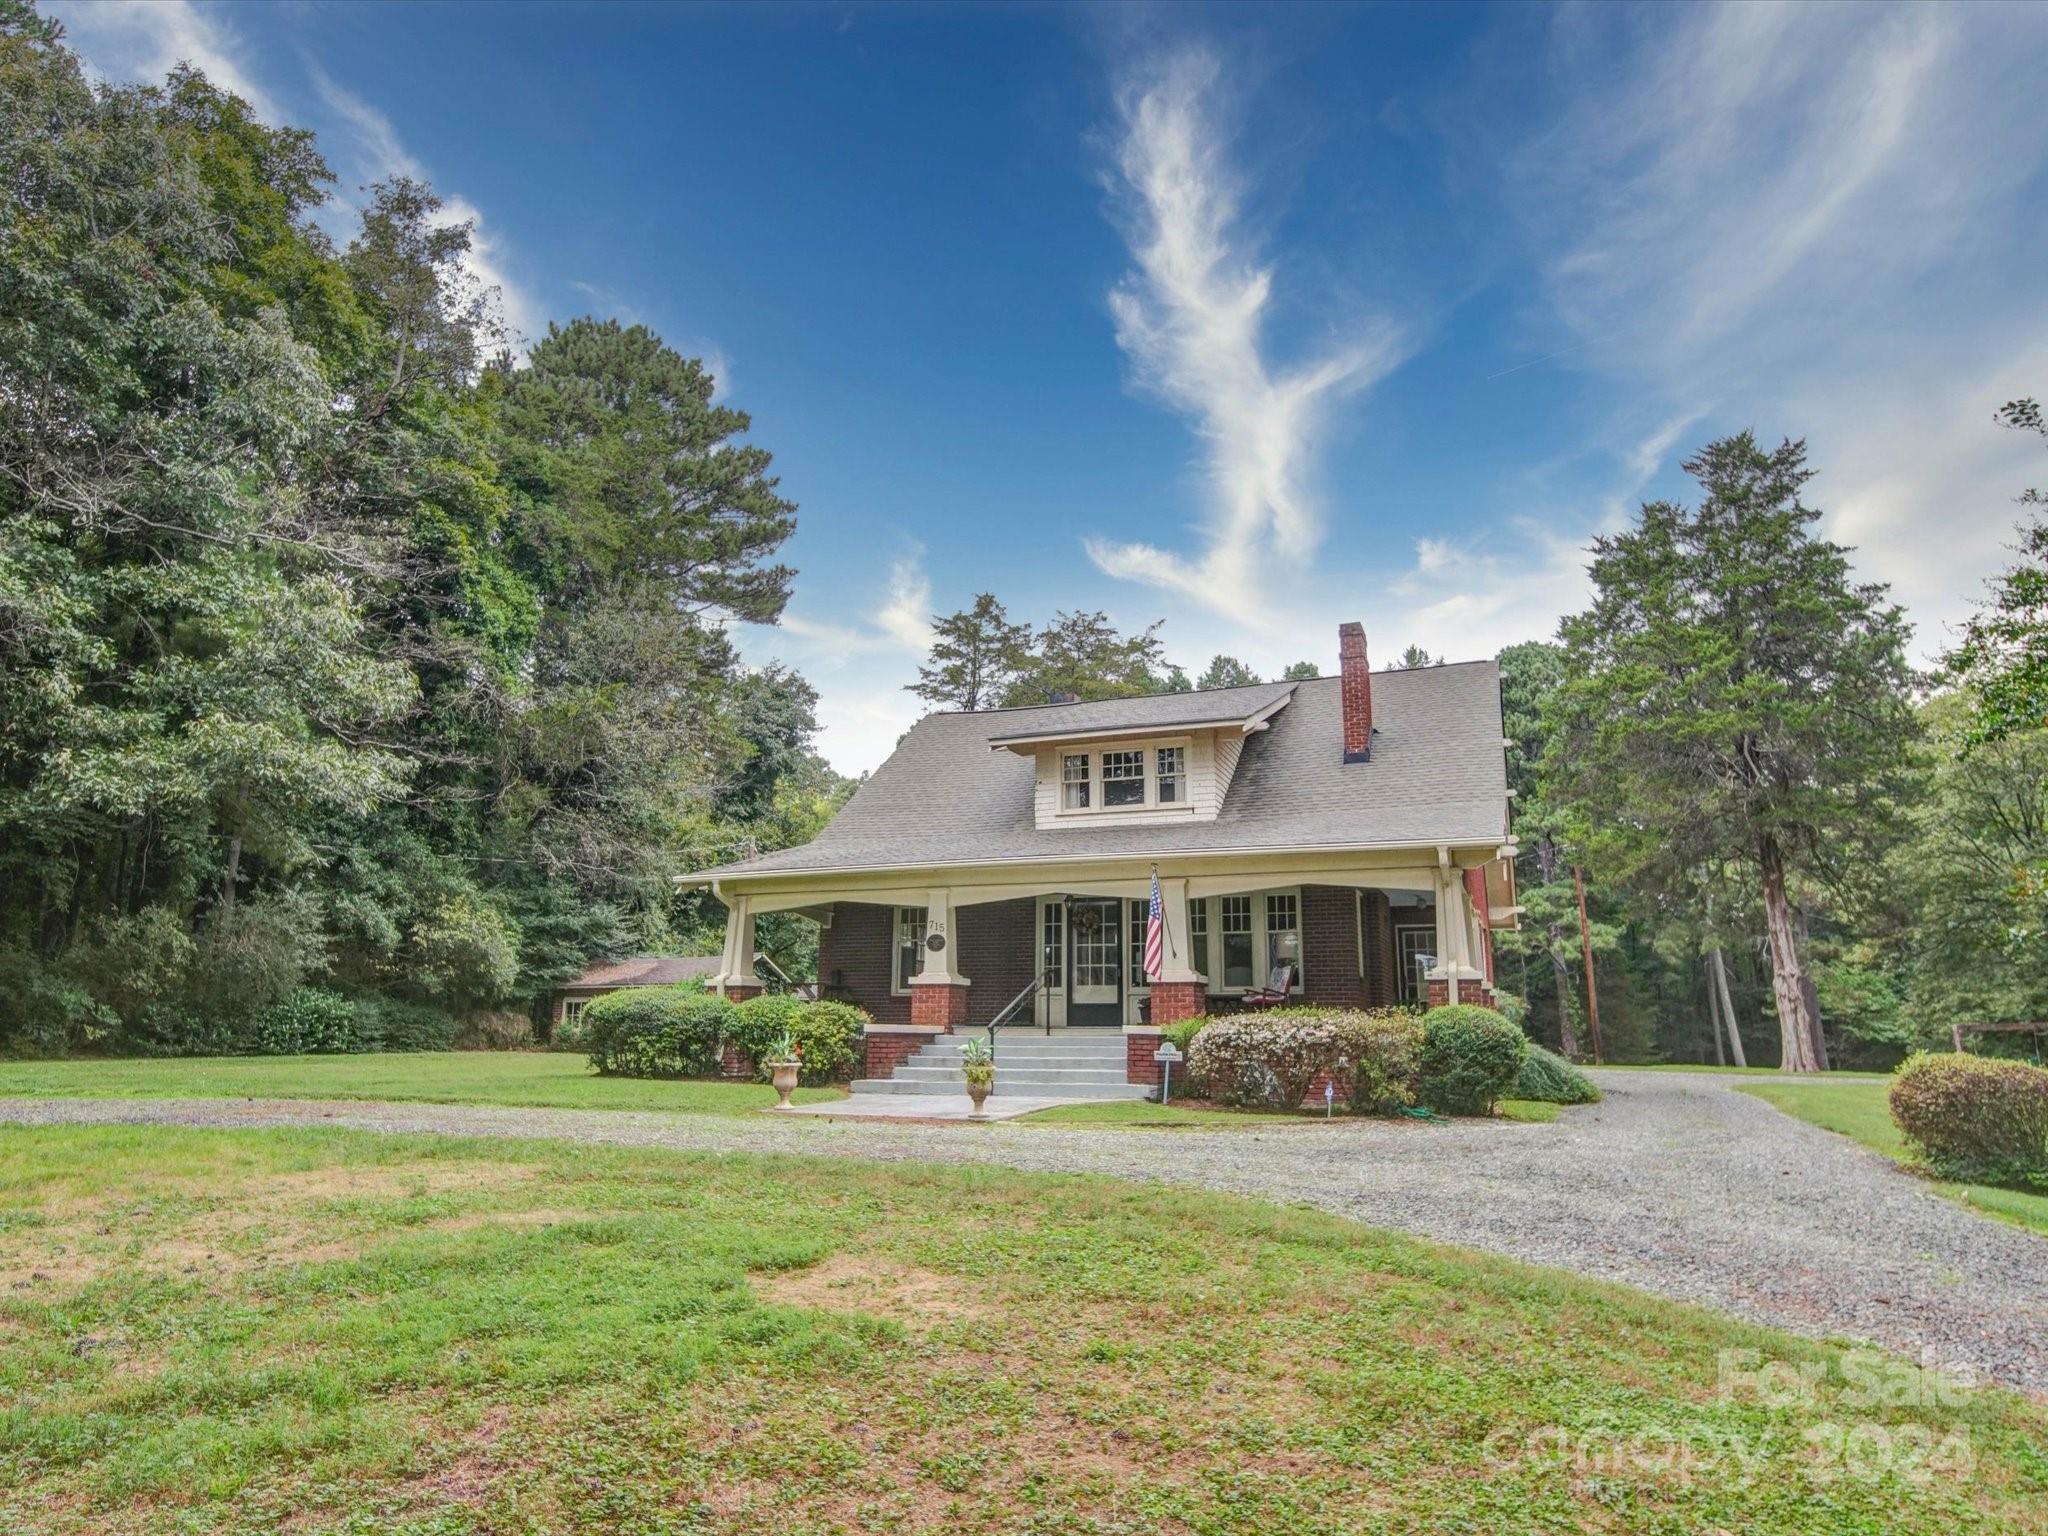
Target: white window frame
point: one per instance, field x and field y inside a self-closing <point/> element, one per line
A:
<point x="901" y="919"/>
<point x="1179" y="775"/>
<point x="1212" y="920"/>
<point x="1085" y="783"/>
<point x="1147" y="751"/>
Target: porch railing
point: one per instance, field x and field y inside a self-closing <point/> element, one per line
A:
<point x="780" y="980"/>
<point x="1010" y="1011"/>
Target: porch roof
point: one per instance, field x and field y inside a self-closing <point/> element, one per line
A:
<point x="1437" y="775"/>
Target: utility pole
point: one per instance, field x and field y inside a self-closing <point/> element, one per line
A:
<point x="1586" y="947"/>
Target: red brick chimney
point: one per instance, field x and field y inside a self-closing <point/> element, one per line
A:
<point x="1356" y="673"/>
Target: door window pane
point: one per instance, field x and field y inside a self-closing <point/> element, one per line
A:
<point x="1123" y="778"/>
<point x="1098" y="944"/>
<point x="1172" y="775"/>
<point x="909" y="944"/>
<point x="1074" y="781"/>
<point x="1237" y="941"/>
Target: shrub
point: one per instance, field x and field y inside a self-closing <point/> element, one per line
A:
<point x="310" y="1021"/>
<point x="1550" y="1079"/>
<point x="758" y="1025"/>
<point x="828" y="1034"/>
<point x="1470" y="1056"/>
<point x="1975" y="1119"/>
<point x="656" y="1032"/>
<point x="1379" y="1059"/>
<point x="1263" y="1058"/>
<point x="44" y="1012"/>
<point x="497" y="1029"/>
<point x="387" y="1024"/>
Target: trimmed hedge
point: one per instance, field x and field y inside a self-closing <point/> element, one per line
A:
<point x="656" y="1032"/>
<point x="1548" y="1078"/>
<point x="1470" y="1059"/>
<point x="1380" y="1059"/>
<point x="1973" y="1118"/>
<point x="826" y="1035"/>
<point x="757" y="1026"/>
<point x="310" y="1021"/>
<point x="1273" y="1058"/>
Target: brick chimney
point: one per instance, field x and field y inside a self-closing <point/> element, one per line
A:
<point x="1356" y="673"/>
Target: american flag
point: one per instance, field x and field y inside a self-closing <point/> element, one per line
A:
<point x="1155" y="932"/>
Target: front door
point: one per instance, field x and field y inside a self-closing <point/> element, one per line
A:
<point x="1095" y="978"/>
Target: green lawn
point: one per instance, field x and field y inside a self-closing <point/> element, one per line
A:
<point x="1856" y="1107"/>
<point x="331" y="1332"/>
<point x="552" y="1080"/>
<point x="1694" y="1066"/>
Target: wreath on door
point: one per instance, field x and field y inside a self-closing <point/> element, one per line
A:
<point x="1087" y="919"/>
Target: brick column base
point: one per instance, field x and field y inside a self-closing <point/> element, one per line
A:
<point x="938" y="1004"/>
<point x="735" y="1064"/>
<point x="737" y="993"/>
<point x="1469" y="991"/>
<point x="1173" y="1001"/>
<point x="1141" y="1051"/>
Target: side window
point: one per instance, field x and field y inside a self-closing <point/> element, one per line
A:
<point x="1283" y="933"/>
<point x="1141" y="914"/>
<point x="909" y="946"/>
<point x="1074" y="784"/>
<point x="1172" y="775"/>
<point x="1055" y="944"/>
<point x="1198" y="936"/>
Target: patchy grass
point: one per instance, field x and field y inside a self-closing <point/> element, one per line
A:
<point x="1530" y="1111"/>
<point x="329" y="1332"/>
<point x="535" y="1079"/>
<point x="1858" y="1109"/>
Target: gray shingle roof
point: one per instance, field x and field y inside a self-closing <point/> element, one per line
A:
<point x="1438" y="774"/>
<point x="1155" y="711"/>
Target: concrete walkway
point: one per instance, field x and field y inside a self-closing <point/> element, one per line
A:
<point x="1677" y="1184"/>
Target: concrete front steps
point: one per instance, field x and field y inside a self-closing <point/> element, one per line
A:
<point x="1067" y="1064"/>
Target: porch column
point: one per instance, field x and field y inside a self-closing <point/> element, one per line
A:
<point x="1179" y="991"/>
<point x="938" y="992"/>
<point x="736" y="978"/>
<point x="1442" y="978"/>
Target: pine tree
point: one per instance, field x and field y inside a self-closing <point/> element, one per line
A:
<point x="1227" y="672"/>
<point x="1734" y="697"/>
<point x="976" y="654"/>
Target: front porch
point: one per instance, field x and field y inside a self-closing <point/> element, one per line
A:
<point x="1065" y="951"/>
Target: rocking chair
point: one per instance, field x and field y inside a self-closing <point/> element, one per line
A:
<point x="1275" y="991"/>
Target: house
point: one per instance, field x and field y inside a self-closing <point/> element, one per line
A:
<point x="640" y="971"/>
<point x="1000" y="863"/>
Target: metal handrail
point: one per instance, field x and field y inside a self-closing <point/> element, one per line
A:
<point x="1009" y="1011"/>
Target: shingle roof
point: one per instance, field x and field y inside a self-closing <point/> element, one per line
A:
<point x="1438" y="774"/>
<point x="646" y="971"/>
<point x="1154" y="711"/>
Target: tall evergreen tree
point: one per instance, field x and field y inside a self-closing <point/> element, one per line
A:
<point x="1227" y="672"/>
<point x="1734" y="696"/>
<point x="976" y="654"/>
<point x="1083" y="655"/>
<point x="1301" y="672"/>
<point x="2002" y="657"/>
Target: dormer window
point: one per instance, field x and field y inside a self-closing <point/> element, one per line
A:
<point x="1123" y="777"/>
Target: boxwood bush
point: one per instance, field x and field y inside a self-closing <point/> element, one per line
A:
<point x="656" y="1032"/>
<point x="1550" y="1079"/>
<point x="1379" y="1057"/>
<point x="1470" y="1058"/>
<point x="826" y="1035"/>
<point x="758" y="1025"/>
<point x="1975" y="1118"/>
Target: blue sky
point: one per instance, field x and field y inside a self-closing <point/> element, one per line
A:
<point x="1250" y="320"/>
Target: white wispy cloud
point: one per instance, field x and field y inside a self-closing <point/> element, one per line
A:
<point x="901" y="623"/>
<point x="1192" y="316"/>
<point x="144" y="40"/>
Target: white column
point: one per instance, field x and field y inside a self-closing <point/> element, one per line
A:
<point x="737" y="967"/>
<point x="1178" y="962"/>
<point x="1450" y="929"/>
<point x="941" y="965"/>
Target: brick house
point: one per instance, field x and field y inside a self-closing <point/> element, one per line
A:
<point x="1353" y="828"/>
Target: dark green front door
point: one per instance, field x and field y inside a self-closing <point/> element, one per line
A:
<point x="1095" y="968"/>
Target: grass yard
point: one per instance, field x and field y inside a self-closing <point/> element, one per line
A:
<point x="539" y="1079"/>
<point x="333" y="1332"/>
<point x="1856" y="1107"/>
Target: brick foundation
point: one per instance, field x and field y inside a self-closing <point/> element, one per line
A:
<point x="1469" y="991"/>
<point x="738" y="993"/>
<point x="1173" y="1001"/>
<point x="736" y="1064"/>
<point x="1141" y="1051"/>
<point x="939" y="1005"/>
<point x="883" y="1050"/>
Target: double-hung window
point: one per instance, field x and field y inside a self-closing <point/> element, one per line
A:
<point x="1283" y="930"/>
<point x="909" y="947"/>
<point x="1123" y="779"/>
<point x="1173" y="775"/>
<point x="1236" y="941"/>
<point x="1074" y="781"/>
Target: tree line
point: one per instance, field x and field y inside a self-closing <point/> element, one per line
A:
<point x="335" y="647"/>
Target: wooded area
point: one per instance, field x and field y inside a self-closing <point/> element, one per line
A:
<point x="338" y="651"/>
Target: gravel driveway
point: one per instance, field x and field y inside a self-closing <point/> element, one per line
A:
<point x="1676" y="1183"/>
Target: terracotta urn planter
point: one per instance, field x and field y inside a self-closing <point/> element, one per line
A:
<point x="783" y="1075"/>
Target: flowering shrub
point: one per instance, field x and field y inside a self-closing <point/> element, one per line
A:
<point x="656" y="1032"/>
<point x="1263" y="1058"/>
<point x="1470" y="1056"/>
<point x="1975" y="1118"/>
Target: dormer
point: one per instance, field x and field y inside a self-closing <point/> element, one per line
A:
<point x="1166" y="758"/>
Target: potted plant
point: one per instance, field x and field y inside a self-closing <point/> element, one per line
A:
<point x="784" y="1063"/>
<point x="978" y="1063"/>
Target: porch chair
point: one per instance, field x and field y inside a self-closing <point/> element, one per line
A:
<point x="1275" y="991"/>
